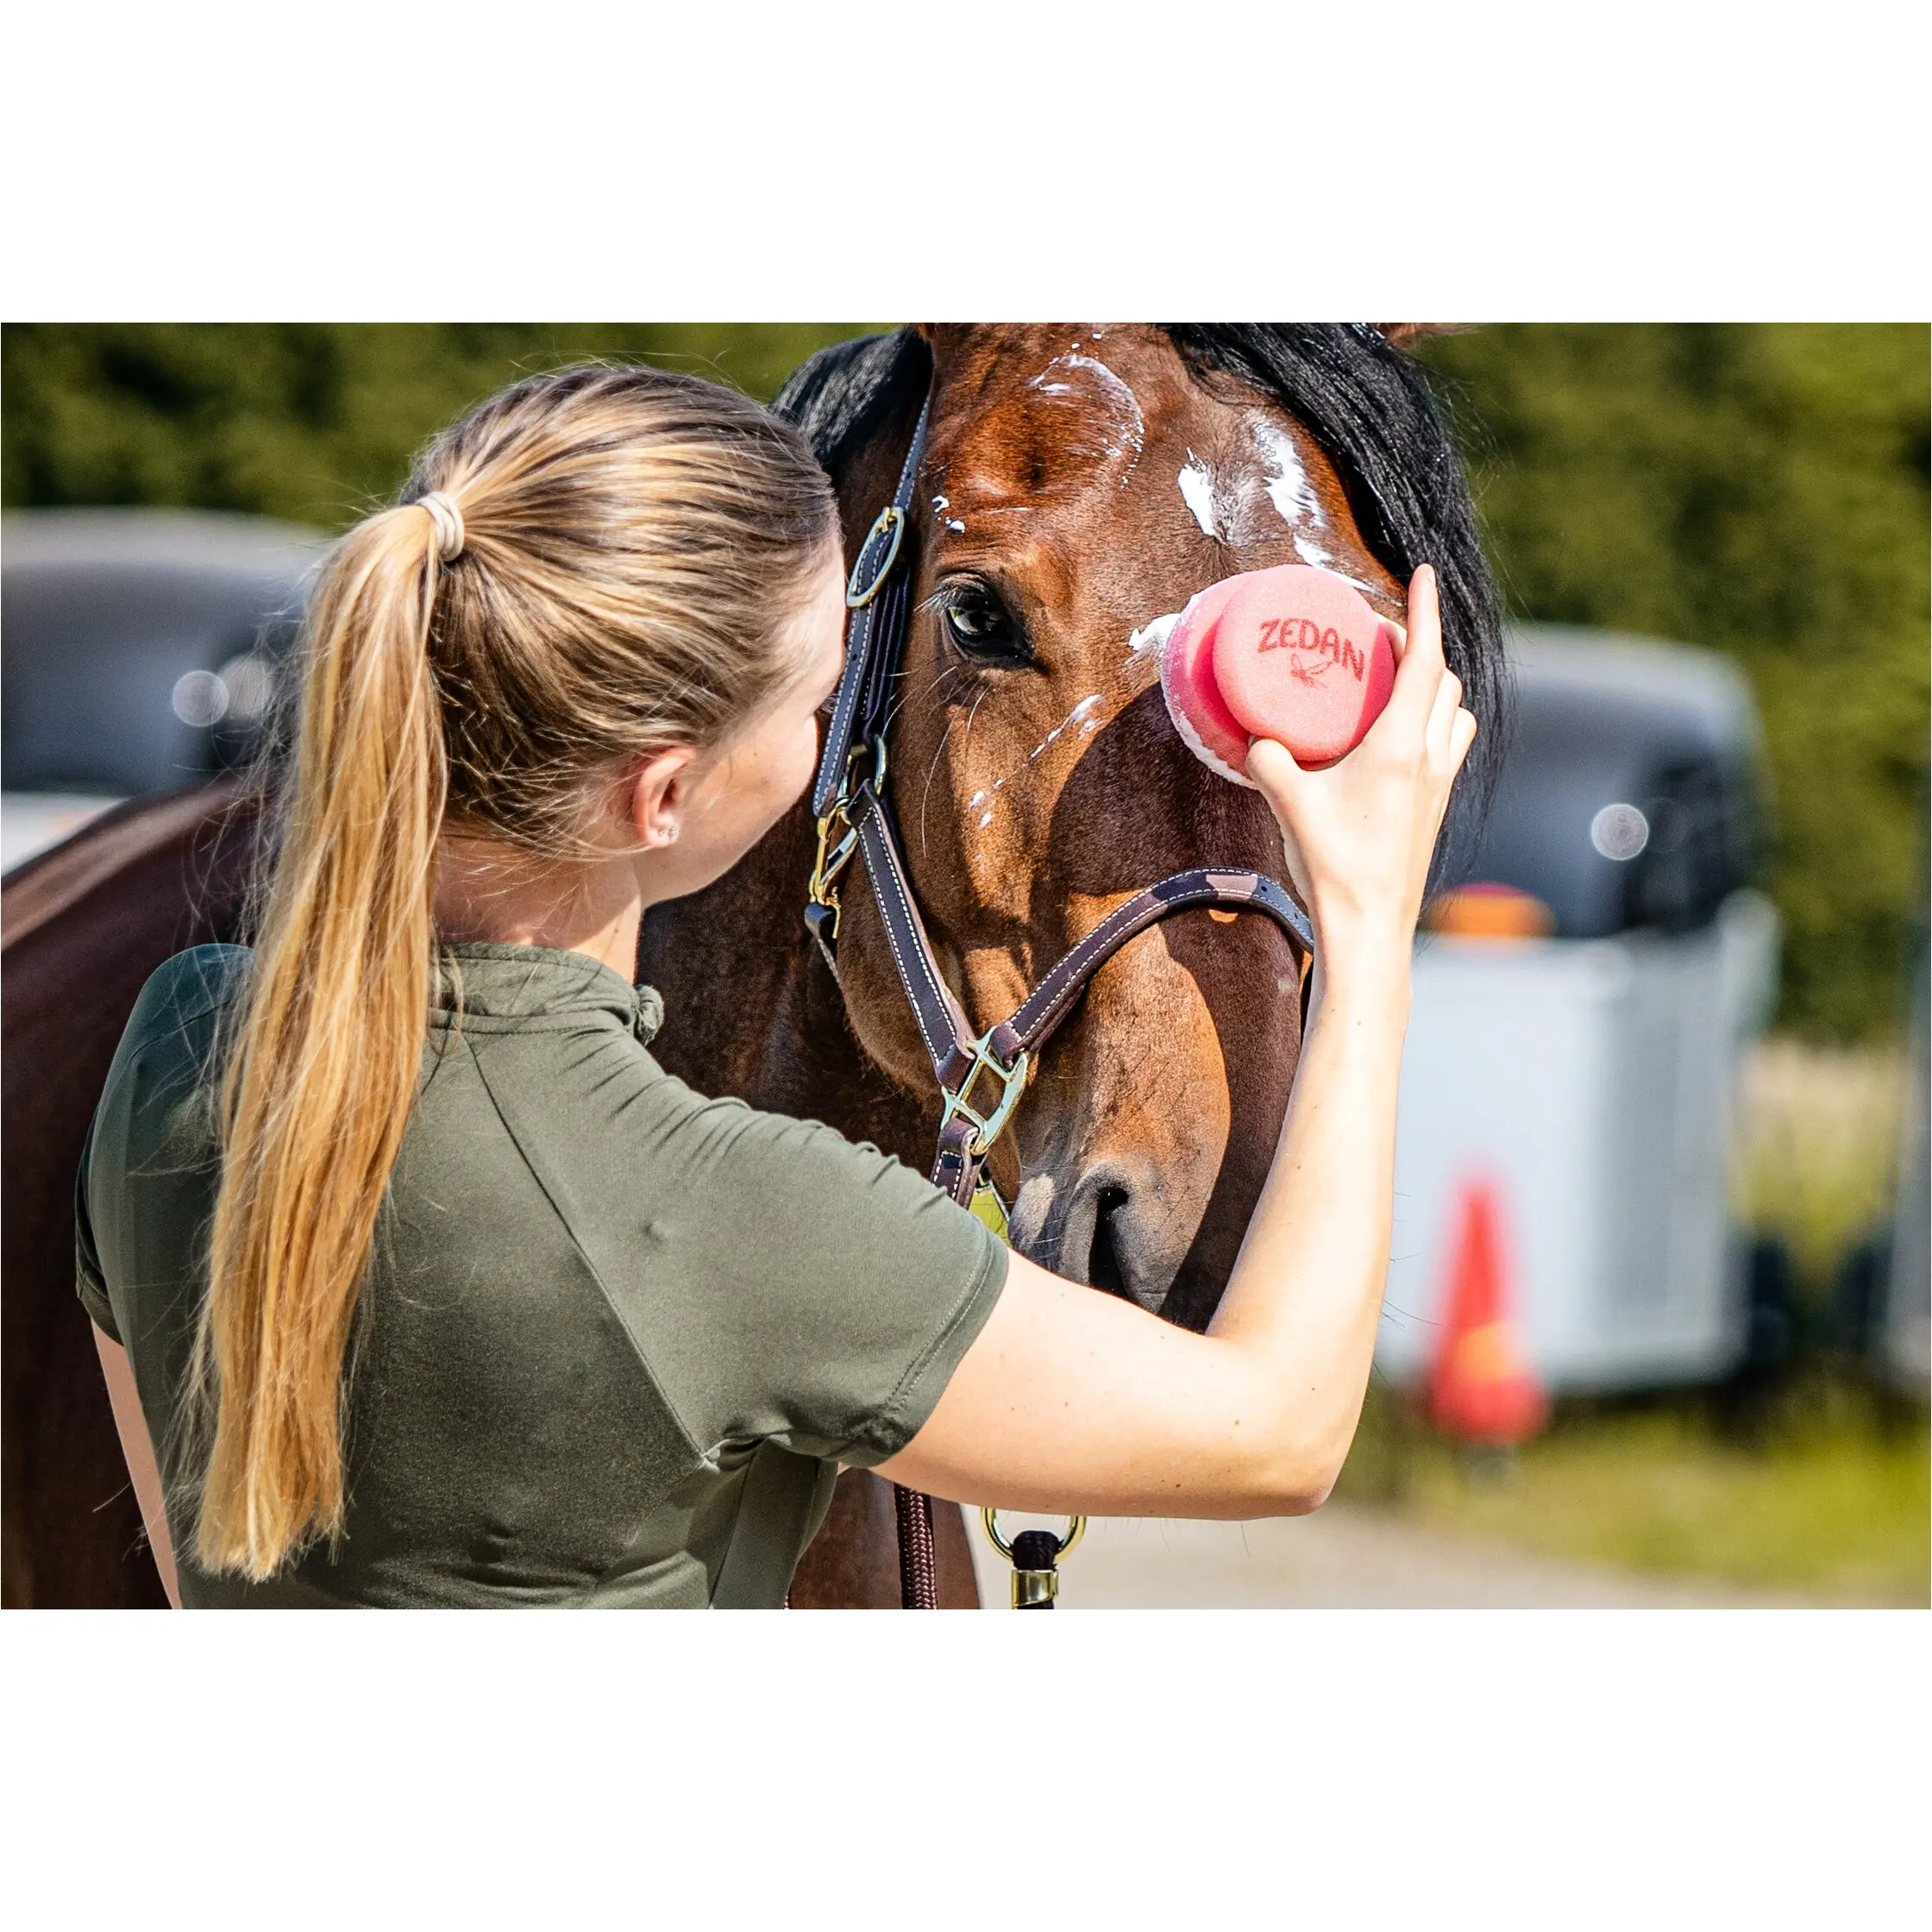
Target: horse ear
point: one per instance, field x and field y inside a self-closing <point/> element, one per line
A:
<point x="1407" y="335"/>
<point x="946" y="340"/>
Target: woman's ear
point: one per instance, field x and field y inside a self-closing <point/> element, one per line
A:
<point x="656" y="795"/>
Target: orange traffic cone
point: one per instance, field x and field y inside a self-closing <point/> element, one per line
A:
<point x="1481" y="1386"/>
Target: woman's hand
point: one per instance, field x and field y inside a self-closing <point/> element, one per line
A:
<point x="1359" y="834"/>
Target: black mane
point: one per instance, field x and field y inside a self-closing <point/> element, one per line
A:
<point x="1366" y="402"/>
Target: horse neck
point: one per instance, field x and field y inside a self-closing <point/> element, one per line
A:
<point x="752" y="1010"/>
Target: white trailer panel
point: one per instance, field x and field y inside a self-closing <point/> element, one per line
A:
<point x="1593" y="1081"/>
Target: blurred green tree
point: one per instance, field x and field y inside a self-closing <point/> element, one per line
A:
<point x="1759" y="488"/>
<point x="312" y="421"/>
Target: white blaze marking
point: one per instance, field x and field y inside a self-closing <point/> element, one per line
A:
<point x="1031" y="1206"/>
<point x="1197" y="492"/>
<point x="1286" y="484"/>
<point x="1225" y="506"/>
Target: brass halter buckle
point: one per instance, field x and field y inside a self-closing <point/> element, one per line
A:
<point x="987" y="1127"/>
<point x="836" y="847"/>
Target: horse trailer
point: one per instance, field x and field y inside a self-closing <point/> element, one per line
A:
<point x="1579" y="1015"/>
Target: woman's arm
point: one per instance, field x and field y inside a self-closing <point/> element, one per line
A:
<point x="139" y="1449"/>
<point x="1070" y="1400"/>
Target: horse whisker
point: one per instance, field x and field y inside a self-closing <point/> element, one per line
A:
<point x="931" y="771"/>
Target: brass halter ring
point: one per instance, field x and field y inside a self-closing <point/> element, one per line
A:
<point x="989" y="1520"/>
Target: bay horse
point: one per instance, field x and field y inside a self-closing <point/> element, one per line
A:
<point x="1080" y="483"/>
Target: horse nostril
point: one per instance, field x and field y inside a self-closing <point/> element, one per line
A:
<point x="1103" y="1265"/>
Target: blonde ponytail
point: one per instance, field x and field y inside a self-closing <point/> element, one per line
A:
<point x="325" y="1063"/>
<point x="590" y="568"/>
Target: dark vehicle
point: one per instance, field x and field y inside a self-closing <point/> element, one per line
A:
<point x="141" y="651"/>
<point x="1633" y="793"/>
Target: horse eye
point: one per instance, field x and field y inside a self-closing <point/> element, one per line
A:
<point x="981" y="626"/>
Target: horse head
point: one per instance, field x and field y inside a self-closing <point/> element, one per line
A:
<point x="1079" y="484"/>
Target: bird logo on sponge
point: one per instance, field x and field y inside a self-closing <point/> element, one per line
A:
<point x="1320" y="649"/>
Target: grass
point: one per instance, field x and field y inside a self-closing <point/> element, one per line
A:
<point x="1820" y="1492"/>
<point x="1827" y="1496"/>
<point x="1814" y="1486"/>
<point x="1816" y="1148"/>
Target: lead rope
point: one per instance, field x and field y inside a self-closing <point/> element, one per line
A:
<point x="1035" y="1573"/>
<point x="918" y="1570"/>
<point x="919" y="1580"/>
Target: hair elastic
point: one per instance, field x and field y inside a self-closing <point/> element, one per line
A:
<point x="448" y="520"/>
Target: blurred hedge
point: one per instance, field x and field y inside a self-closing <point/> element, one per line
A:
<point x="1759" y="488"/>
<point x="307" y="420"/>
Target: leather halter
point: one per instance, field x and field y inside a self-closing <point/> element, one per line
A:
<point x="849" y="801"/>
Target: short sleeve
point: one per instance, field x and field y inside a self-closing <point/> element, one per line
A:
<point x="780" y="1283"/>
<point x="143" y="1171"/>
<point x="836" y="1291"/>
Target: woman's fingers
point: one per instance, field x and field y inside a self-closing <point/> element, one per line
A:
<point x="1425" y="619"/>
<point x="1272" y="767"/>
<point x="1448" y="698"/>
<point x="1425" y="608"/>
<point x="1420" y="669"/>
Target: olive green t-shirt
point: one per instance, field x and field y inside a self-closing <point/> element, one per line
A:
<point x="616" y="1338"/>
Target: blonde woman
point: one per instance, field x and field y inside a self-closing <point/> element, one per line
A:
<point x="432" y="1287"/>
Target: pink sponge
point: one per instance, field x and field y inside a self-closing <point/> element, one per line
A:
<point x="1292" y="653"/>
